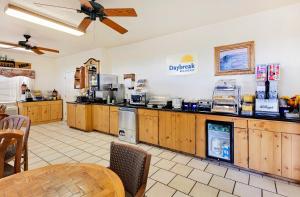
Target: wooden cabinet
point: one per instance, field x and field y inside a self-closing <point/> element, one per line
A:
<point x="290" y="156"/>
<point x="166" y="129"/>
<point x="241" y="147"/>
<point x="177" y="131"/>
<point x="71" y="115"/>
<point x="41" y="112"/>
<point x="114" y="120"/>
<point x="148" y="126"/>
<point x="100" y="115"/>
<point x="200" y="136"/>
<point x="265" y="151"/>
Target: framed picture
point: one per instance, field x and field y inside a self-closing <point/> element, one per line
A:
<point x="235" y="59"/>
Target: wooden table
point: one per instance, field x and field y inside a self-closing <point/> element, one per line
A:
<point x="64" y="180"/>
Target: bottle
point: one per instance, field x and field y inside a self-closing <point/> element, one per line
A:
<point x="108" y="99"/>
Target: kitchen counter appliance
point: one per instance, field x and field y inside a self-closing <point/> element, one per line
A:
<point x="205" y="105"/>
<point x="139" y="98"/>
<point x="128" y="125"/>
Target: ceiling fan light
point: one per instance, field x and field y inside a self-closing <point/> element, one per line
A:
<point x="32" y="17"/>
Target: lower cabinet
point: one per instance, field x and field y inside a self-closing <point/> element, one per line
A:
<point x="241" y="147"/>
<point x="177" y="131"/>
<point x="100" y="116"/>
<point x="290" y="156"/>
<point x="148" y="126"/>
<point x="79" y="116"/>
<point x="114" y="121"/>
<point x="265" y="151"/>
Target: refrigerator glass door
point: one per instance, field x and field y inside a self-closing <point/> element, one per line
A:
<point x="220" y="140"/>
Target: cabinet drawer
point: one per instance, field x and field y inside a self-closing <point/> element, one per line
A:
<point x="146" y="112"/>
<point x="275" y="126"/>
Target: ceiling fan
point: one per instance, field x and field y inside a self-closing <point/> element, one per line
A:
<point x="26" y="46"/>
<point x="95" y="11"/>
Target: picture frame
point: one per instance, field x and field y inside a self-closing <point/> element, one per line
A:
<point x="235" y="59"/>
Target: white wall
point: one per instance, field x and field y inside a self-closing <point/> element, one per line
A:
<point x="44" y="67"/>
<point x="276" y="34"/>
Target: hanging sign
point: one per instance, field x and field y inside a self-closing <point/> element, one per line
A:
<point x="182" y="64"/>
<point x="12" y="64"/>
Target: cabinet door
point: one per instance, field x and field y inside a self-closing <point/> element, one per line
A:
<point x="265" y="151"/>
<point x="167" y="129"/>
<point x="56" y="111"/>
<point x="241" y="147"/>
<point x="114" y="121"/>
<point x="23" y="110"/>
<point x="45" y="109"/>
<point x="290" y="156"/>
<point x="148" y="129"/>
<point x="185" y="131"/>
<point x="71" y="115"/>
<point x="101" y="118"/>
<point x="34" y="113"/>
<point x="80" y="117"/>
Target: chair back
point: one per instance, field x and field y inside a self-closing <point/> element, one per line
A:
<point x="132" y="166"/>
<point x="2" y="116"/>
<point x="7" y="139"/>
<point x="17" y="122"/>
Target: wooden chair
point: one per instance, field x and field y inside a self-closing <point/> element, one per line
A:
<point x="10" y="139"/>
<point x="17" y="122"/>
<point x="131" y="164"/>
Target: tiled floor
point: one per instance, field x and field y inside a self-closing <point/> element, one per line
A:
<point x="171" y="174"/>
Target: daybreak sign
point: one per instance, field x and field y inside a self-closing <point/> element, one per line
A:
<point x="183" y="64"/>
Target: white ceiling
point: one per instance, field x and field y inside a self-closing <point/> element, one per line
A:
<point x="155" y="18"/>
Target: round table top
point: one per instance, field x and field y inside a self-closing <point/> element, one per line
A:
<point x="64" y="180"/>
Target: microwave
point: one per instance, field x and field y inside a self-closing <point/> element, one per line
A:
<point x="138" y="99"/>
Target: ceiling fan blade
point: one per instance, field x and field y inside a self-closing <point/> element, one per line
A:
<point x="129" y="12"/>
<point x="46" y="49"/>
<point x="84" y="24"/>
<point x="9" y="44"/>
<point x="86" y="4"/>
<point x="114" y="25"/>
<point x="37" y="51"/>
<point x="55" y="6"/>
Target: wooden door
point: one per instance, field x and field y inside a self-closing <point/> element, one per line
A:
<point x="148" y="129"/>
<point x="101" y="118"/>
<point x="71" y="115"/>
<point x="241" y="147"/>
<point x="81" y="117"/>
<point x="185" y="131"/>
<point x="201" y="136"/>
<point x="290" y="156"/>
<point x="45" y="109"/>
<point x="265" y="151"/>
<point x="56" y="111"/>
<point x="167" y="129"/>
<point x="114" y="121"/>
<point x="34" y="113"/>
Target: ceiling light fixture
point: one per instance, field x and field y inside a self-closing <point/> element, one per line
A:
<point x="21" y="13"/>
<point x="4" y="46"/>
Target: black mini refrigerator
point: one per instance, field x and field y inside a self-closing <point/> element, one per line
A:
<point x="219" y="140"/>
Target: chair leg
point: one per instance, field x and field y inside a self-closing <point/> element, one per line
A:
<point x="26" y="159"/>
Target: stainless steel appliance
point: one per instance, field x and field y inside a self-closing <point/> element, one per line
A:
<point x="128" y="125"/>
<point x="119" y="94"/>
<point x="205" y="105"/>
<point x="177" y="103"/>
<point x="219" y="140"/>
<point x="106" y="84"/>
<point x="138" y="98"/>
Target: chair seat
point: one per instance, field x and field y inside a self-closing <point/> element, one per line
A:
<point x="127" y="194"/>
<point x="10" y="152"/>
<point x="8" y="170"/>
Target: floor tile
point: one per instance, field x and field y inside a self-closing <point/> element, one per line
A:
<point x="182" y="159"/>
<point x="103" y="163"/>
<point x="165" y="164"/>
<point x="198" y="164"/>
<point x="200" y="176"/>
<point x="152" y="170"/>
<point x="182" y="169"/>
<point x="201" y="190"/>
<point x="167" y="155"/>
<point x="154" y="160"/>
<point x="81" y="156"/>
<point x="155" y="151"/>
<point x="237" y="176"/>
<point x="163" y="176"/>
<point x="270" y="194"/>
<point x="222" y="183"/>
<point x="182" y="184"/>
<point x="287" y="189"/>
<point x="180" y="194"/>
<point x="217" y="170"/>
<point x="150" y="183"/>
<point x="225" y="194"/>
<point x="243" y="190"/>
<point x="160" y="190"/>
<point x="262" y="183"/>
